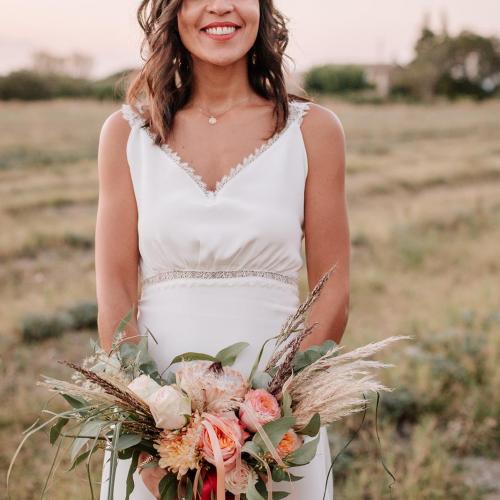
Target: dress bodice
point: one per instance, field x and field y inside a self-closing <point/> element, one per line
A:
<point x="251" y="224"/>
<point x="248" y="232"/>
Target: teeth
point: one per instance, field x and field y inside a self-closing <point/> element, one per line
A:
<point x="221" y="30"/>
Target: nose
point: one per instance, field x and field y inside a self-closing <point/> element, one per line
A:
<point x="220" y="6"/>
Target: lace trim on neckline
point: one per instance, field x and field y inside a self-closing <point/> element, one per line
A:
<point x="298" y="109"/>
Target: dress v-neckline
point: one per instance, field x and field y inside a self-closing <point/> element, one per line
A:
<point x="295" y="112"/>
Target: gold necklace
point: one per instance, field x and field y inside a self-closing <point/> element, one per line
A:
<point x="212" y="119"/>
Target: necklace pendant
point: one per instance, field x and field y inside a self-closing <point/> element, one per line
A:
<point x="212" y="120"/>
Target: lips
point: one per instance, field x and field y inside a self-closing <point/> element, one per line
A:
<point x="220" y="31"/>
<point x="220" y="25"/>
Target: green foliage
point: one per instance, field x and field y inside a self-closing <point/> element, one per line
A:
<point x="262" y="490"/>
<point x="275" y="430"/>
<point x="84" y="315"/>
<point x="55" y="430"/>
<point x="304" y="454"/>
<point x="466" y="64"/>
<point x="192" y="356"/>
<point x="228" y="355"/>
<point x="168" y="487"/>
<point x="313" y="426"/>
<point x="335" y="79"/>
<point x="261" y="380"/>
<point x="310" y="355"/>
<point x="30" y="85"/>
<point x="130" y="476"/>
<point x="25" y="85"/>
<point x="452" y="373"/>
<point x="39" y="327"/>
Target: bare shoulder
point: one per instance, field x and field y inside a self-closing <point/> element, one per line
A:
<point x="324" y="140"/>
<point x="322" y="127"/>
<point x="113" y="139"/>
<point x="115" y="127"/>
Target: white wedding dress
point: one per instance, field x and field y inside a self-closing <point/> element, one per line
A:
<point x="220" y="266"/>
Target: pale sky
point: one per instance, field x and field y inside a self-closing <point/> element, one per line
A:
<point x="321" y="30"/>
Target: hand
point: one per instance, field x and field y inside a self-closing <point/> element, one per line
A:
<point x="151" y="476"/>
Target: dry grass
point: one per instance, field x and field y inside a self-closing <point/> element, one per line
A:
<point x="423" y="187"/>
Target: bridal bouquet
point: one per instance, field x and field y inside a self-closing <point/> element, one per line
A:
<point x="213" y="430"/>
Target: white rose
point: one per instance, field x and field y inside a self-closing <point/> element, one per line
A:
<point x="144" y="386"/>
<point x="168" y="406"/>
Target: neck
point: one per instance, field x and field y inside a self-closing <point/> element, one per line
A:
<point x="216" y="87"/>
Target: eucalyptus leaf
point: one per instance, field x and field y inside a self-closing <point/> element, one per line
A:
<point x="56" y="429"/>
<point x="275" y="431"/>
<point x="127" y="441"/>
<point x="192" y="356"/>
<point x="255" y="365"/>
<point x="76" y="402"/>
<point x="189" y="489"/>
<point x="130" y="476"/>
<point x="310" y="355"/>
<point x="261" y="380"/>
<point x="304" y="454"/>
<point x="126" y="454"/>
<point x="251" y="448"/>
<point x="168" y="487"/>
<point x="312" y="427"/>
<point x="262" y="489"/>
<point x="228" y="355"/>
<point x="279" y="475"/>
<point x="79" y="459"/>
<point x="252" y="494"/>
<point x="89" y="429"/>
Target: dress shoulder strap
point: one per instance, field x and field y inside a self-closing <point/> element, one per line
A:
<point x="299" y="109"/>
<point x="133" y="116"/>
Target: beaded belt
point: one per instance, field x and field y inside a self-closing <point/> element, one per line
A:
<point x="182" y="273"/>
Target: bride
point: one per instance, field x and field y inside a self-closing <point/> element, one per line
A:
<point x="210" y="177"/>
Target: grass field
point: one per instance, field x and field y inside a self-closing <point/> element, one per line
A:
<point x="424" y="206"/>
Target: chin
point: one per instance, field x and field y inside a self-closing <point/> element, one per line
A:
<point x="225" y="61"/>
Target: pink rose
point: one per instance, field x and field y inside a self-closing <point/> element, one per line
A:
<point x="238" y="478"/>
<point x="230" y="436"/>
<point x="264" y="405"/>
<point x="290" y="441"/>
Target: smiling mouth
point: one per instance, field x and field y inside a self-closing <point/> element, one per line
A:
<point x="221" y="31"/>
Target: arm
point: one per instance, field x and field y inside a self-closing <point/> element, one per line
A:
<point x="326" y="226"/>
<point x="116" y="242"/>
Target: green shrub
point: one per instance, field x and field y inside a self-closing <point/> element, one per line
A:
<point x="39" y="327"/>
<point x="84" y="315"/>
<point x="26" y="85"/>
<point x="330" y="78"/>
<point x="29" y="85"/>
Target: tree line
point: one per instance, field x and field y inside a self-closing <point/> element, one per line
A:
<point x="467" y="64"/>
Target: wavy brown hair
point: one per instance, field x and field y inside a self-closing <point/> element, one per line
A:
<point x="165" y="81"/>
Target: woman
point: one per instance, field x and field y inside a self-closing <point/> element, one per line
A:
<point x="209" y="179"/>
